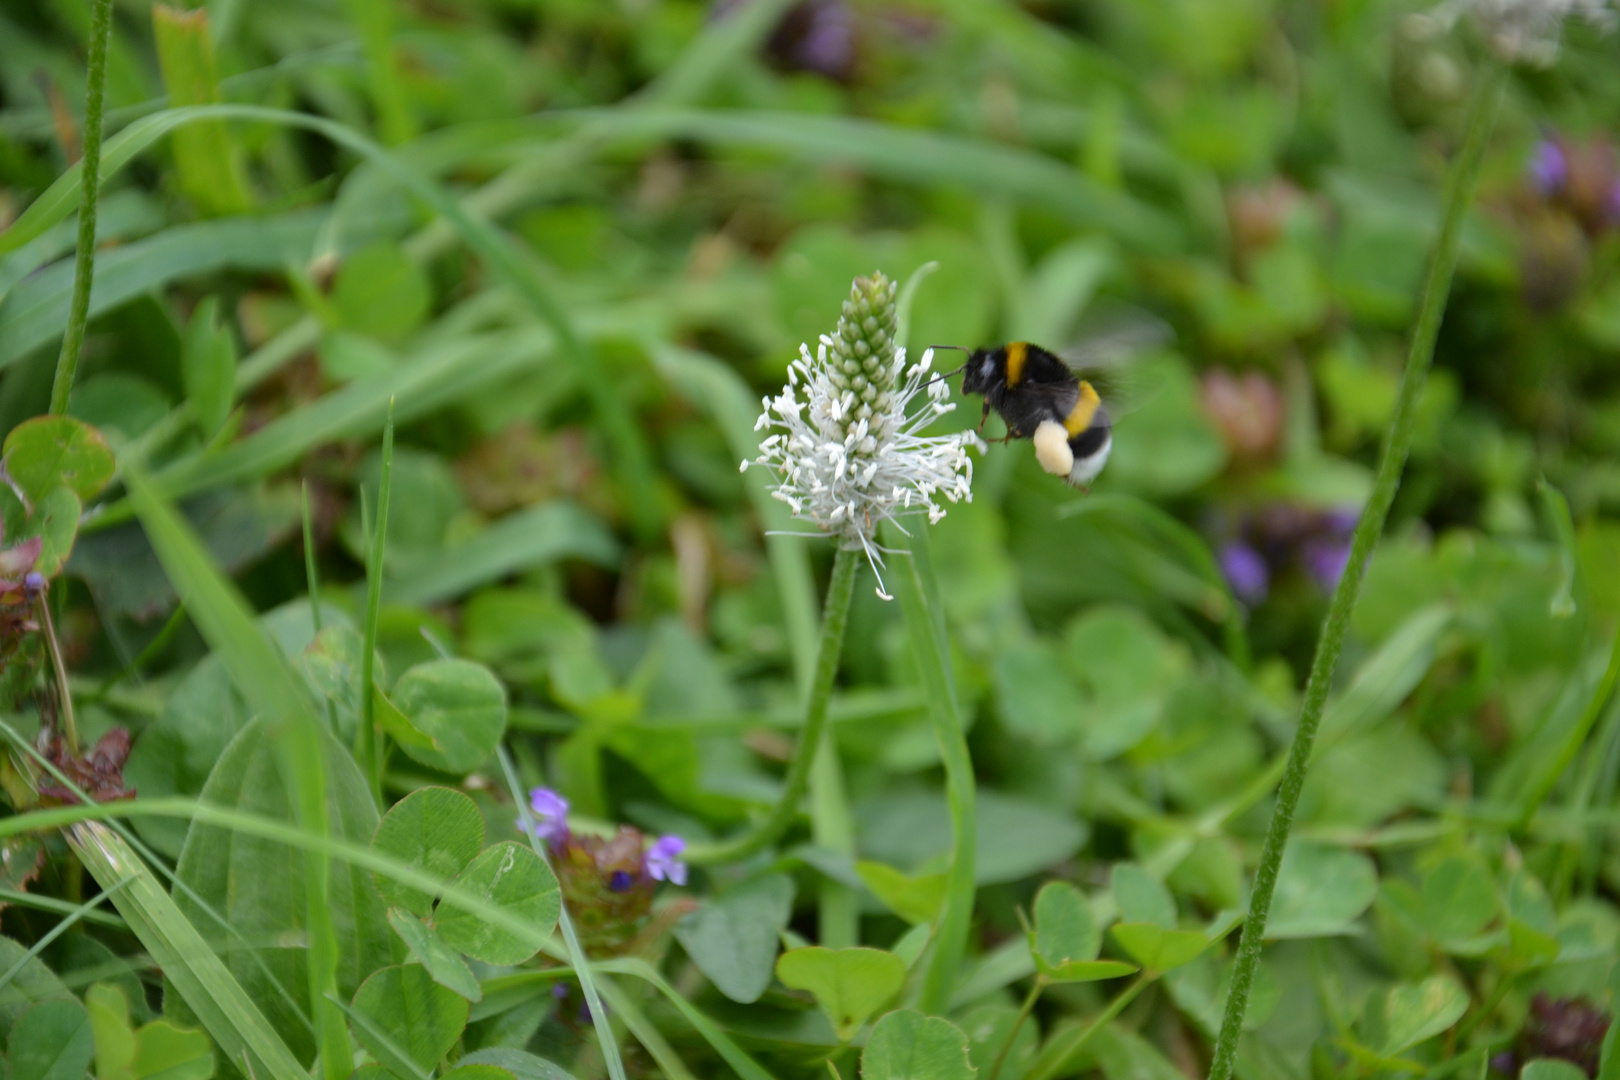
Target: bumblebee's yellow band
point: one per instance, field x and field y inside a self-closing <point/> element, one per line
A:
<point x="1085" y="408"/>
<point x="1017" y="354"/>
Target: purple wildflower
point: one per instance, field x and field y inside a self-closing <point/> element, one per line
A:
<point x="1326" y="559"/>
<point x="1245" y="571"/>
<point x="1548" y="168"/>
<point x="552" y="811"/>
<point x="663" y="860"/>
<point x="620" y="881"/>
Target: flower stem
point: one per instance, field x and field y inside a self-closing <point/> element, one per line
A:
<point x="1397" y="442"/>
<point x="70" y="729"/>
<point x="835" y="617"/>
<point x="1018" y="1025"/>
<point x="67" y="363"/>
<point x="931" y="651"/>
<point x="1058" y="1052"/>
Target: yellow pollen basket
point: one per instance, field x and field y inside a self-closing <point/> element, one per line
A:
<point x="1017" y="354"/>
<point x="1085" y="408"/>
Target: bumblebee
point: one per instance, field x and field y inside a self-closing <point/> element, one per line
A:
<point x="1041" y="398"/>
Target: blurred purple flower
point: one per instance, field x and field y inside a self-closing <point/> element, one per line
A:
<point x="552" y="810"/>
<point x="1325" y="560"/>
<point x="1548" y="168"/>
<point x="818" y="36"/>
<point x="1245" y="571"/>
<point x="663" y="860"/>
<point x="1614" y="202"/>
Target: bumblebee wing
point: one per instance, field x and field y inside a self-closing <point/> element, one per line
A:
<point x="1111" y="360"/>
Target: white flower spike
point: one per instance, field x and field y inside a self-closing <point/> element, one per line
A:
<point x="845" y="444"/>
<point x="1526" y="31"/>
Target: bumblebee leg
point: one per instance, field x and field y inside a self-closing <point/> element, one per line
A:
<point x="984" y="418"/>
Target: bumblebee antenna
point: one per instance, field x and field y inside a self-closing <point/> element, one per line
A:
<point x="943" y="374"/>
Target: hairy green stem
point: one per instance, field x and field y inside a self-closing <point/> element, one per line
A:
<point x="931" y="650"/>
<point x="835" y="617"/>
<point x="1397" y="442"/>
<point x="84" y="268"/>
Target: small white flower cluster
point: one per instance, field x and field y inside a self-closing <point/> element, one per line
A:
<point x="845" y="447"/>
<point x="1526" y="31"/>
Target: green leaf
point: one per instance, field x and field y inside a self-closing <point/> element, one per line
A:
<point x="1065" y="929"/>
<point x="441" y="961"/>
<point x="458" y="704"/>
<point x="332" y="662"/>
<point x="479" y="1072"/>
<point x="1066" y="938"/>
<point x="189" y="964"/>
<point x="1157" y="948"/>
<point x="166" y="1051"/>
<point x="51" y="451"/>
<point x="1404" y="1015"/>
<point x="1142" y="897"/>
<point x="205" y="154"/>
<point x="404" y="1018"/>
<point x="916" y="899"/>
<point x="988" y="1027"/>
<point x="520" y="1063"/>
<point x="115" y="1039"/>
<point x="1321" y="890"/>
<point x="733" y="938"/>
<point x="215" y="861"/>
<point x="52" y="1041"/>
<point x="208" y="368"/>
<point x="514" y="878"/>
<point x="380" y="291"/>
<point x="435" y="828"/>
<point x="1551" y="1069"/>
<point x="55" y="521"/>
<point x="1037" y="699"/>
<point x="906" y="1045"/>
<point x="849" y="984"/>
<point x="1459" y="899"/>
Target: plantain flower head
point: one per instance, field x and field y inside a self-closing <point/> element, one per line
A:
<point x="1526" y="31"/>
<point x="845" y="442"/>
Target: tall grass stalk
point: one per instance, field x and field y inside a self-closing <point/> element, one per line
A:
<point x="368" y="740"/>
<point x="840" y="590"/>
<point x="930" y="649"/>
<point x="84" y="268"/>
<point x="1459" y="194"/>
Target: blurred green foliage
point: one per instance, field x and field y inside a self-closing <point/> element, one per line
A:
<point x="1259" y="177"/>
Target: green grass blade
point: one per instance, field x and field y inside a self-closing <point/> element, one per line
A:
<point x="262" y="675"/>
<point x="630" y="456"/>
<point x="540" y="534"/>
<point x="205" y="156"/>
<point x="74" y="914"/>
<point x="229" y="1016"/>
<point x="40" y="306"/>
<point x="734" y="1055"/>
<point x="374" y="19"/>
<point x="367" y="738"/>
<point x="61" y="907"/>
<point x="912" y="156"/>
